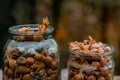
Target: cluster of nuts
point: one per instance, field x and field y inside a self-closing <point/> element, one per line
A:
<point x="90" y="61"/>
<point x="28" y="34"/>
<point x="39" y="66"/>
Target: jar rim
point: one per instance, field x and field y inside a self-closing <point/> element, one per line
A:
<point x="105" y="53"/>
<point x="14" y="29"/>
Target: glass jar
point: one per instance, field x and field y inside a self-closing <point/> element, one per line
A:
<point x="91" y="66"/>
<point x="31" y="57"/>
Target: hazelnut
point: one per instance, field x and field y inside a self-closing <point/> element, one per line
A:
<point x="12" y="63"/>
<point x="109" y="76"/>
<point x="96" y="64"/>
<point x="27" y="77"/>
<point x="104" y="71"/>
<point x="95" y="50"/>
<point x="78" y="77"/>
<point x="42" y="72"/>
<point x="29" y="60"/>
<point x="101" y="78"/>
<point x="15" y="54"/>
<point x="32" y="74"/>
<point x="107" y="48"/>
<point x="54" y="64"/>
<point x="23" y="69"/>
<point x="24" y="29"/>
<point x="48" y="60"/>
<point x="21" y="60"/>
<point x="94" y="46"/>
<point x="50" y="71"/>
<point x="44" y="52"/>
<point x="103" y="61"/>
<point x="73" y="73"/>
<point x="91" y="77"/>
<point x="107" y="58"/>
<point x="53" y="77"/>
<point x="38" y="56"/>
<point x="9" y="72"/>
<point x="38" y="65"/>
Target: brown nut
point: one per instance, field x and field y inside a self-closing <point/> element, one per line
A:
<point x="27" y="77"/>
<point x="104" y="71"/>
<point x="48" y="60"/>
<point x="38" y="56"/>
<point x="32" y="74"/>
<point x="42" y="72"/>
<point x="21" y="60"/>
<point x="24" y="30"/>
<point x="107" y="58"/>
<point x="54" y="64"/>
<point x="107" y="48"/>
<point x="12" y="63"/>
<point x="9" y="72"/>
<point x="38" y="65"/>
<point x="101" y="78"/>
<point x="15" y="54"/>
<point x="109" y="76"/>
<point x="78" y="77"/>
<point x="23" y="69"/>
<point x="29" y="60"/>
<point x="96" y="64"/>
<point x="91" y="77"/>
<point x="95" y="50"/>
<point x="50" y="71"/>
<point x="53" y="77"/>
<point x="72" y="73"/>
<point x="44" y="52"/>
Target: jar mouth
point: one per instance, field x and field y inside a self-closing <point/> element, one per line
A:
<point x="105" y="53"/>
<point x="14" y="29"/>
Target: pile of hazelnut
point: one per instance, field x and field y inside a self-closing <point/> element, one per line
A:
<point x="38" y="66"/>
<point x="90" y="60"/>
<point x="28" y="34"/>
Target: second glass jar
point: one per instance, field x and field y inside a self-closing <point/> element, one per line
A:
<point x="91" y="66"/>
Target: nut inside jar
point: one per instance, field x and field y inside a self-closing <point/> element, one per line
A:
<point x="28" y="67"/>
<point x="90" y="60"/>
<point x="32" y="53"/>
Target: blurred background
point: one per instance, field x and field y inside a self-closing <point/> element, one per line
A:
<point x="72" y="20"/>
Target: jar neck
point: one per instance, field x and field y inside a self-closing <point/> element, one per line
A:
<point x="109" y="53"/>
<point x="30" y="37"/>
<point x="34" y="36"/>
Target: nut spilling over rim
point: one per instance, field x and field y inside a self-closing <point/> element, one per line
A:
<point x="41" y="28"/>
<point x="89" y="46"/>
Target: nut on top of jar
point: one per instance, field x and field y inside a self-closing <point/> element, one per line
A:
<point x="41" y="28"/>
<point x="89" y="46"/>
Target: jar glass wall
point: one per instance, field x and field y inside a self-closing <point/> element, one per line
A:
<point x="91" y="66"/>
<point x="31" y="56"/>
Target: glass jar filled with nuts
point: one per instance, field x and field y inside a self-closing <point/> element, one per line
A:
<point x="32" y="53"/>
<point x="90" y="60"/>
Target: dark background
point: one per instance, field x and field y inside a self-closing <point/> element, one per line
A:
<point x="72" y="20"/>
